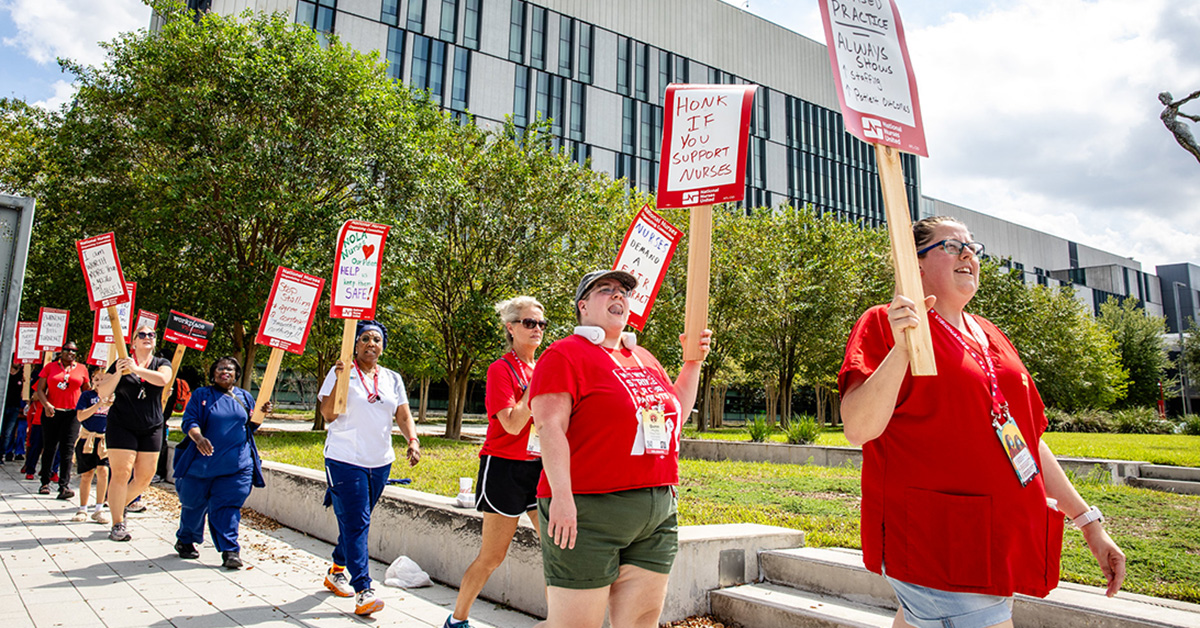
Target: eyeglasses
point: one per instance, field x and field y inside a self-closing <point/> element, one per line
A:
<point x="69" y="350"/>
<point x="954" y="247"/>
<point x="530" y="323"/>
<point x="608" y="291"/>
<point x="142" y="335"/>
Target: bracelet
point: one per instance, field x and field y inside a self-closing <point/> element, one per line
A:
<point x="1090" y="515"/>
<point x="413" y="440"/>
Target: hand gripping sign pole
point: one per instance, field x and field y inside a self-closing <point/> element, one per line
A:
<point x="357" y="268"/>
<point x="187" y="332"/>
<point x="105" y="282"/>
<point x="878" y="94"/>
<point x="285" y="325"/>
<point x="705" y="138"/>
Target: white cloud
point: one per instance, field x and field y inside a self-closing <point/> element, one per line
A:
<point x="63" y="92"/>
<point x="47" y="29"/>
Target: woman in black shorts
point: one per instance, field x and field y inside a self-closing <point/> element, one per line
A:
<point x="510" y="461"/>
<point x="135" y="424"/>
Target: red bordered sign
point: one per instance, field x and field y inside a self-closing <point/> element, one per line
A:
<point x="646" y="253"/>
<point x="26" y="351"/>
<point x="146" y="319"/>
<point x="357" y="267"/>
<point x="188" y="331"/>
<point x="98" y="356"/>
<point x="290" y="310"/>
<point x="873" y="74"/>
<point x="705" y="136"/>
<point x="52" y="328"/>
<point x="102" y="271"/>
<point x="102" y="327"/>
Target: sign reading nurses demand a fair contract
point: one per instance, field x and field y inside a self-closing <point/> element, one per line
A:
<point x="646" y="253"/>
<point x="290" y="310"/>
<point x="873" y="73"/>
<point x="704" y="144"/>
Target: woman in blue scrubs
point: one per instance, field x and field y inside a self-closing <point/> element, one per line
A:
<point x="215" y="469"/>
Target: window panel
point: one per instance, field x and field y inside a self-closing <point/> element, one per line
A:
<point x="557" y="101"/>
<point x="664" y="74"/>
<point x="390" y="13"/>
<point x="448" y="24"/>
<point x="471" y="24"/>
<point x="306" y="13"/>
<point x="516" y="32"/>
<point x="395" y="53"/>
<point x="681" y="70"/>
<point x="537" y="41"/>
<point x="646" y="129"/>
<point x="578" y="111"/>
<point x="623" y="50"/>
<point x="521" y="98"/>
<point x="416" y="16"/>
<point x="586" y="45"/>
<point x="629" y="125"/>
<point x="460" y="88"/>
<point x="566" y="46"/>
<point x="641" y="52"/>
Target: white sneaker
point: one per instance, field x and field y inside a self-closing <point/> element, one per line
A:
<point x="366" y="603"/>
<point x="80" y="515"/>
<point x="338" y="583"/>
<point x="99" y="516"/>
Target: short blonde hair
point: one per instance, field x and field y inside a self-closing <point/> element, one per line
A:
<point x="510" y="312"/>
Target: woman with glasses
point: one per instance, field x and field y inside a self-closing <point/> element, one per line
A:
<point x="359" y="456"/>
<point x="135" y="424"/>
<point x="58" y="390"/>
<point x="510" y="459"/>
<point x="954" y="468"/>
<point x="609" y="420"/>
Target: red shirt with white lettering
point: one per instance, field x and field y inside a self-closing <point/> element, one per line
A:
<point x="507" y="379"/>
<point x="607" y="389"/>
<point x="941" y="504"/>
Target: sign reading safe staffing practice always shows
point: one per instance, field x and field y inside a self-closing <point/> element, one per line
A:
<point x="873" y="73"/>
<point x="102" y="271"/>
<point x="290" y="310"/>
<point x="704" y="144"/>
<point x="646" y="253"/>
<point x="188" y="331"/>
<point x="357" y="269"/>
<point x="102" y="330"/>
<point x="52" y="328"/>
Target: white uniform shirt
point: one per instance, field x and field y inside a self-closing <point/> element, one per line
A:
<point x="362" y="436"/>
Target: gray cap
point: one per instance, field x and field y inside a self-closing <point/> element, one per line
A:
<point x="590" y="279"/>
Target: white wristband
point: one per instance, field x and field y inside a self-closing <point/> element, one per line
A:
<point x="1092" y="514"/>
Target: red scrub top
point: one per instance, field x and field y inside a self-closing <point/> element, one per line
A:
<point x="507" y="379"/>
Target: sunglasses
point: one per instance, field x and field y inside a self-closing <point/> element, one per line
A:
<point x="530" y="323"/>
<point x="142" y="335"/>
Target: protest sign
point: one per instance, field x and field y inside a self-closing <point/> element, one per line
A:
<point x="357" y="268"/>
<point x="102" y="330"/>
<point x="705" y="136"/>
<point x="146" y="319"/>
<point x="52" y="329"/>
<point x="285" y="324"/>
<point x="878" y="95"/>
<point x="186" y="332"/>
<point x="646" y="253"/>
<point x="26" y="353"/>
<point x="102" y="271"/>
<point x="100" y="353"/>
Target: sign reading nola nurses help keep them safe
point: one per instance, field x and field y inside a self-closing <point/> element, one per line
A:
<point x="52" y="328"/>
<point x="646" y="252"/>
<point x="290" y="310"/>
<point x="873" y="73"/>
<point x="26" y="351"/>
<point x="705" y="136"/>
<point x="102" y="330"/>
<point x="102" y="271"/>
<point x="188" y="331"/>
<point x="357" y="268"/>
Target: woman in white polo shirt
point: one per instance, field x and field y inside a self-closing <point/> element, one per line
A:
<point x="359" y="456"/>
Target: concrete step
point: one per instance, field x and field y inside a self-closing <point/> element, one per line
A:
<point x="839" y="573"/>
<point x="1165" y="472"/>
<point x="767" y="605"/>
<point x="1183" y="487"/>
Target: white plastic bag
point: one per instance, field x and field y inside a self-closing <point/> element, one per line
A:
<point x="403" y="573"/>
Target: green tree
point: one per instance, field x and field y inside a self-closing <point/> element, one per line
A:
<point x="1140" y="344"/>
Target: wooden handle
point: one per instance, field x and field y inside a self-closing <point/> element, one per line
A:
<point x="176" y="360"/>
<point x="114" y="321"/>
<point x="27" y="369"/>
<point x="904" y="257"/>
<point x="695" y="318"/>
<point x="268" y="385"/>
<point x="341" y="391"/>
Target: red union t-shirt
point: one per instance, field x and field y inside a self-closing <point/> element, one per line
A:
<point x="607" y="389"/>
<point x="503" y="390"/>
<point x="941" y="504"/>
<point x="63" y="386"/>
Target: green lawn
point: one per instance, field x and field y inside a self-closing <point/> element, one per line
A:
<point x="1158" y="531"/>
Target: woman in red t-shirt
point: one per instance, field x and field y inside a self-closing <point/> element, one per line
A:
<point x="609" y="419"/>
<point x="959" y="491"/>
<point x="58" y="389"/>
<point x="510" y="461"/>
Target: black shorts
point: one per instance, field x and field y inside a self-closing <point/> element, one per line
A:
<point x="507" y="487"/>
<point x="89" y="462"/>
<point x="120" y="437"/>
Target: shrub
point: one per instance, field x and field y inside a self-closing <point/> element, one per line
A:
<point x="1191" y="425"/>
<point x="803" y="430"/>
<point x="758" y="429"/>
<point x="1086" y="420"/>
<point x="1140" y="421"/>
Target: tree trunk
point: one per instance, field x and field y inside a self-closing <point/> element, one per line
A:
<point x="422" y="413"/>
<point x="718" y="415"/>
<point x="318" y="420"/>
<point x="705" y="397"/>
<point x="835" y="409"/>
<point x="820" y="392"/>
<point x="458" y="397"/>
<point x="772" y="395"/>
<point x="785" y="403"/>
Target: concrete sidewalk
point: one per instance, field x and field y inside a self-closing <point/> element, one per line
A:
<point x="61" y="573"/>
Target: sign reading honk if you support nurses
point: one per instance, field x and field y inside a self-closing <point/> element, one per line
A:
<point x="704" y="144"/>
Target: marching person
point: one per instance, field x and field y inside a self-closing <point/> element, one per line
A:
<point x="510" y="459"/>
<point x="58" y="389"/>
<point x="218" y="464"/>
<point x="135" y="424"/>
<point x="609" y="420"/>
<point x="954" y="468"/>
<point x="90" y="451"/>
<point x="359" y="456"/>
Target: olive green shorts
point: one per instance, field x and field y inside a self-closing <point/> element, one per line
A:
<point x="636" y="527"/>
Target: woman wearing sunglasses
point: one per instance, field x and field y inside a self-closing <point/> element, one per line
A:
<point x="135" y="424"/>
<point x="510" y="461"/>
<point x="954" y="468"/>
<point x="359" y="456"/>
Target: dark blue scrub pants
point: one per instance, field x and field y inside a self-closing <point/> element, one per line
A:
<point x="353" y="493"/>
<point x="221" y="498"/>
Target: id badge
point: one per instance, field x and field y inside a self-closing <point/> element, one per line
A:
<point x="533" y="446"/>
<point x="1016" y="449"/>
<point x="654" y="430"/>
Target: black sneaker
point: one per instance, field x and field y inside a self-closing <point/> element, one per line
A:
<point x="19" y="457"/>
<point x="45" y="490"/>
<point x="231" y="560"/>
<point x="65" y="492"/>
<point x="186" y="550"/>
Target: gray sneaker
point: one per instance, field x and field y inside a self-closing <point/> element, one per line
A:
<point x="119" y="533"/>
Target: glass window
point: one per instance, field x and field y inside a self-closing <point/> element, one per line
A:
<point x="586" y="35"/>
<point x="521" y="97"/>
<point x="578" y="110"/>
<point x="566" y="45"/>
<point x="429" y="66"/>
<point x="390" y="14"/>
<point x="623" y="65"/>
<point x="645" y="168"/>
<point x="306" y="13"/>
<point x="395" y="53"/>
<point x="471" y="25"/>
<point x="580" y="152"/>
<point x="558" y="86"/>
<point x="516" y="32"/>
<point x="416" y="16"/>
<point x="461" y="87"/>
<point x="681" y="70"/>
<point x="537" y="41"/>
<point x="629" y="126"/>
<point x="664" y="74"/>
<point x="641" y="69"/>
<point x="625" y="169"/>
<point x="762" y="111"/>
<point x="647" y="130"/>
<point x="542" y="102"/>
<point x="448" y="25"/>
<point x="714" y="76"/>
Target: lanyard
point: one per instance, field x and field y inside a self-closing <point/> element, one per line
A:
<point x="984" y="361"/>
<point x="517" y="371"/>
<point x="618" y="363"/>
<point x="372" y="397"/>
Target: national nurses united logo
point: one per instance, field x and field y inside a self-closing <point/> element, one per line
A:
<point x="691" y="198"/>
<point x="872" y="128"/>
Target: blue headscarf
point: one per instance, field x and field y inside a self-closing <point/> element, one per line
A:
<point x="365" y="326"/>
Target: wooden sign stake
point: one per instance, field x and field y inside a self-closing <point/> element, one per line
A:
<point x="904" y="257"/>
<point x="699" y="258"/>
<point x="118" y="333"/>
<point x="112" y="353"/>
<point x="176" y="360"/>
<point x="268" y="385"/>
<point x="342" y="390"/>
<point x="27" y="370"/>
<point x="47" y="358"/>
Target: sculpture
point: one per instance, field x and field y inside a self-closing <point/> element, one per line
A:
<point x="1170" y="117"/>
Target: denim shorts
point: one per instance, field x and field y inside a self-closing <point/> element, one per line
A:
<point x="933" y="608"/>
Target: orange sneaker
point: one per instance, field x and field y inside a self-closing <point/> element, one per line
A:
<point x="366" y="603"/>
<point x="338" y="583"/>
